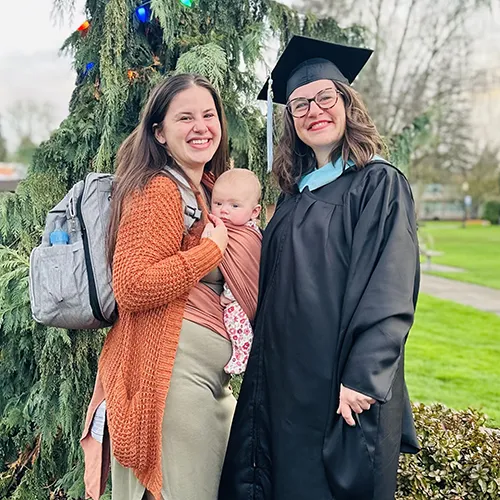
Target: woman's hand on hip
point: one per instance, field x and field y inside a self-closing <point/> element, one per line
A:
<point x="352" y="401"/>
<point x="217" y="232"/>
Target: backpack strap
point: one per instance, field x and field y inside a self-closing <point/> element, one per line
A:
<point x="192" y="213"/>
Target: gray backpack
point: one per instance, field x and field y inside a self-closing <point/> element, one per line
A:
<point x="70" y="283"/>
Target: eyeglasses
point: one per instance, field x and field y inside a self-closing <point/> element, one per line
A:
<point x="325" y="99"/>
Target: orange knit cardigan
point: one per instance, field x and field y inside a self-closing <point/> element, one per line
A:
<point x="154" y="269"/>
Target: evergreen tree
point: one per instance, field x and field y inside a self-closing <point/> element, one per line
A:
<point x="47" y="374"/>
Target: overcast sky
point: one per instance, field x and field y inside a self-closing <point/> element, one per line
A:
<point x="30" y="65"/>
<point x="31" y="68"/>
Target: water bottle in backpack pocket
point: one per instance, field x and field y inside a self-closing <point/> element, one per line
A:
<point x="58" y="236"/>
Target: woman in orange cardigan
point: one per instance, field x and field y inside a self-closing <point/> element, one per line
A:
<point x="168" y="405"/>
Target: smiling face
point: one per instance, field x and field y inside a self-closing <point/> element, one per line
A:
<point x="320" y="129"/>
<point x="191" y="129"/>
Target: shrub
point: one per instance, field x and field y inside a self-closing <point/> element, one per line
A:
<point x="491" y="211"/>
<point x="459" y="460"/>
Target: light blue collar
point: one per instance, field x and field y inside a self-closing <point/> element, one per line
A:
<point x="324" y="175"/>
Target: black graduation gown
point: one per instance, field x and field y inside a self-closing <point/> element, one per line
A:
<point x="338" y="287"/>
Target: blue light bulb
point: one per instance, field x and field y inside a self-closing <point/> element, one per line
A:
<point x="187" y="3"/>
<point x="89" y="66"/>
<point x="142" y="14"/>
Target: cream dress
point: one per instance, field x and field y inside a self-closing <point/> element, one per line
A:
<point x="198" y="414"/>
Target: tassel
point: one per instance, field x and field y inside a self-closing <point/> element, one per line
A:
<point x="270" y="124"/>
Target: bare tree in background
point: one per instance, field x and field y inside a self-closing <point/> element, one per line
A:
<point x="421" y="65"/>
<point x="3" y="147"/>
<point x="30" y="119"/>
<point x="32" y="123"/>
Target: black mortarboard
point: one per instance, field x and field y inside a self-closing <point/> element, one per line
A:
<point x="306" y="60"/>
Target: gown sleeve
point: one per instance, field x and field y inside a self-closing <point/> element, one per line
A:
<point x="383" y="281"/>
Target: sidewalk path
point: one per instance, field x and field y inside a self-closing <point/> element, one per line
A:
<point x="480" y="297"/>
<point x="440" y="268"/>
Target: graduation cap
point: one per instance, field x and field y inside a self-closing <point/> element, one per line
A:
<point x="306" y="60"/>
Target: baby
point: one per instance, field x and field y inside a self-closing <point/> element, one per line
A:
<point x="235" y="200"/>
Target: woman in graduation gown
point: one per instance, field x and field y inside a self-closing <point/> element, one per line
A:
<point x="324" y="411"/>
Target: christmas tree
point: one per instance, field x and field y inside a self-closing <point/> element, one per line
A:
<point x="121" y="50"/>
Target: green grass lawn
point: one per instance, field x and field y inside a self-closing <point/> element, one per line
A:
<point x="453" y="357"/>
<point x="475" y="249"/>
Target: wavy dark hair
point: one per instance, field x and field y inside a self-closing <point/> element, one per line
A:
<point x="141" y="156"/>
<point x="360" y="142"/>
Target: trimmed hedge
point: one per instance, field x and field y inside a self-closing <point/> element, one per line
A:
<point x="491" y="211"/>
<point x="459" y="460"/>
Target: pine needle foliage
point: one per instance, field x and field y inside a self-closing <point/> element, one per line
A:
<point x="47" y="374"/>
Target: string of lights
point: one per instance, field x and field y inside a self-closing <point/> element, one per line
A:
<point x="142" y="13"/>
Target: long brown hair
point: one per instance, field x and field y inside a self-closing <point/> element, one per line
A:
<point x="141" y="156"/>
<point x="361" y="141"/>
